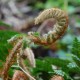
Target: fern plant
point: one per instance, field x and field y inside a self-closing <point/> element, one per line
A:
<point x="47" y="66"/>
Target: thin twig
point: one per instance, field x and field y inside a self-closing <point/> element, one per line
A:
<point x="27" y="73"/>
<point x="23" y="67"/>
<point x="19" y="75"/>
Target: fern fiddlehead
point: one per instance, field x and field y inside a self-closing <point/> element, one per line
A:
<point x="46" y="39"/>
<point x="58" y="29"/>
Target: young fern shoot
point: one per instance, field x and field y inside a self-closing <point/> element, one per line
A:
<point x="58" y="29"/>
<point x="46" y="39"/>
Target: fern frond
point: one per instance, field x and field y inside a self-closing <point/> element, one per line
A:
<point x="76" y="48"/>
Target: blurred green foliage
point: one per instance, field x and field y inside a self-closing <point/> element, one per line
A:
<point x="65" y="68"/>
<point x="4" y="46"/>
<point x="68" y="5"/>
<point x="4" y="24"/>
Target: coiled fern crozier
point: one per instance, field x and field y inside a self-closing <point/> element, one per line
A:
<point x="46" y="39"/>
<point x="58" y="29"/>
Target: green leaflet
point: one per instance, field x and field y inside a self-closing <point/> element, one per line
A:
<point x="4" y="45"/>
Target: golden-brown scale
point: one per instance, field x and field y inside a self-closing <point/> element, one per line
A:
<point x="58" y="29"/>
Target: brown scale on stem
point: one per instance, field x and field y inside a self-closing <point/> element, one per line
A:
<point x="58" y="29"/>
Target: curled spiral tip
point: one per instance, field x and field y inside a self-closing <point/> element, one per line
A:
<point x="59" y="28"/>
<point x="51" y="13"/>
